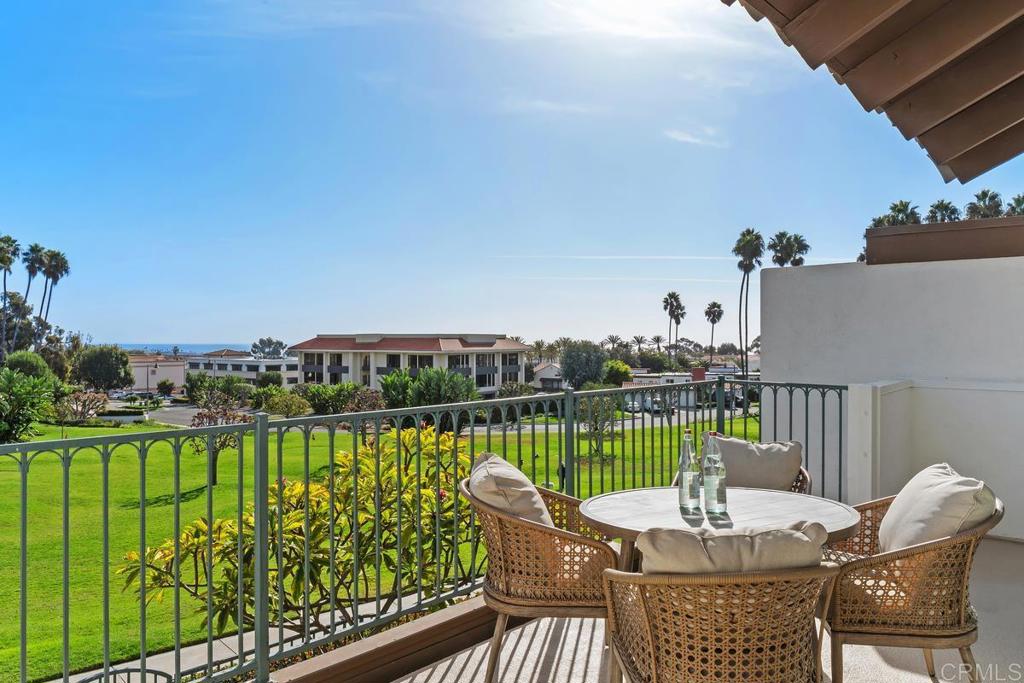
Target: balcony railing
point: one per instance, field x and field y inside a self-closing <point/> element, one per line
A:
<point x="323" y="528"/>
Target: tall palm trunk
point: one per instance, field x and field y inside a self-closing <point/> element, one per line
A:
<point x="743" y="281"/>
<point x="669" y="329"/>
<point x="17" y="327"/>
<point x="42" y="302"/>
<point x="712" y="360"/>
<point x="46" y="315"/>
<point x="3" y="321"/>
<point x="746" y="332"/>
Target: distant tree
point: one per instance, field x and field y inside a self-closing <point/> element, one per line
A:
<point x="216" y="444"/>
<point x="33" y="259"/>
<point x="287" y="404"/>
<point x="29" y="363"/>
<point x="986" y="204"/>
<point x="515" y="389"/>
<point x="165" y="387"/>
<point x="616" y="373"/>
<point x="270" y="378"/>
<point x="728" y="349"/>
<point x="268" y="347"/>
<point x="9" y="252"/>
<point x="104" y="368"/>
<point x="583" y="361"/>
<point x="537" y="349"/>
<point x="755" y="346"/>
<point x="612" y="341"/>
<point x="197" y="386"/>
<point x="81" y="405"/>
<point x="175" y="351"/>
<point x="639" y="340"/>
<point x="942" y="211"/>
<point x="656" y="361"/>
<point x="516" y="338"/>
<point x="657" y="340"/>
<point x="671" y="303"/>
<point x="55" y="268"/>
<point x="799" y="248"/>
<point x="60" y="350"/>
<point x="903" y="213"/>
<point x="780" y="246"/>
<point x="749" y="248"/>
<point x="23" y="400"/>
<point x="713" y="314"/>
<point x="1015" y="207"/>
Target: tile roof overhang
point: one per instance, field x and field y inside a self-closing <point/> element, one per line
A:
<point x="949" y="73"/>
<point x="424" y="344"/>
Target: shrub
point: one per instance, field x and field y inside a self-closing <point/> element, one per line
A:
<point x="104" y="368"/>
<point x="435" y="386"/>
<point x="287" y="404"/>
<point x="582" y="362"/>
<point x="261" y="395"/>
<point x="396" y="388"/>
<point x="197" y="385"/>
<point x="330" y="399"/>
<point x="123" y="412"/>
<point x="81" y="406"/>
<point x="514" y="389"/>
<point x="23" y="400"/>
<point x="401" y="489"/>
<point x="165" y="387"/>
<point x="271" y="378"/>
<point x="616" y="373"/>
<point x="29" y="364"/>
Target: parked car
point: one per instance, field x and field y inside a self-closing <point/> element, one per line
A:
<point x="654" y="405"/>
<point x="633" y="407"/>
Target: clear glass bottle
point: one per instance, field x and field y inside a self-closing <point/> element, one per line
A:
<point x="714" y="477"/>
<point x="689" y="475"/>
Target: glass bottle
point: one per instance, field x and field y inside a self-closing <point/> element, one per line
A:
<point x="689" y="475"/>
<point x="714" y="477"/>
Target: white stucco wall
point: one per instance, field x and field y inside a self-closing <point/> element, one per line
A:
<point x="932" y="349"/>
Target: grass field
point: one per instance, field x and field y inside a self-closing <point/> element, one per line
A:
<point x="630" y="458"/>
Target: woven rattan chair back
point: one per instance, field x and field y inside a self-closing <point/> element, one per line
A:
<point x="756" y="626"/>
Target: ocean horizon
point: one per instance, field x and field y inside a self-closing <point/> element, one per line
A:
<point x="184" y="347"/>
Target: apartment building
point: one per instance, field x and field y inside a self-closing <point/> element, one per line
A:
<point x="242" y="364"/>
<point x="490" y="359"/>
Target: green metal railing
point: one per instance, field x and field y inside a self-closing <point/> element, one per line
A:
<point x="313" y="530"/>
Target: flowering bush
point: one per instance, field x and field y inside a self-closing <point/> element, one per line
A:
<point x="401" y="529"/>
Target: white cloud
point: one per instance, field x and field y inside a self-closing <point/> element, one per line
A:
<point x="705" y="136"/>
<point x="543" y="106"/>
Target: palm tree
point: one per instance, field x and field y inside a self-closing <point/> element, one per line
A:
<point x="713" y="314"/>
<point x="613" y="341"/>
<point x="668" y="305"/>
<point x="537" y="350"/>
<point x="903" y="213"/>
<point x="942" y="211"/>
<point x="34" y="259"/>
<point x="781" y="247"/>
<point x="56" y="268"/>
<point x="9" y="252"/>
<point x="551" y="352"/>
<point x="1016" y="206"/>
<point x="749" y="248"/>
<point x="639" y="340"/>
<point x="680" y="313"/>
<point x="657" y="340"/>
<point x="517" y="338"/>
<point x="798" y="248"/>
<point x="986" y="204"/>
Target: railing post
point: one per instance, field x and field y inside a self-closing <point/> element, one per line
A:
<point x="720" y="405"/>
<point x="570" y="443"/>
<point x="261" y="531"/>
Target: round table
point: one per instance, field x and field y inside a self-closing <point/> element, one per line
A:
<point x="627" y="514"/>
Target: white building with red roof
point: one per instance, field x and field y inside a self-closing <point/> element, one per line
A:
<point x="490" y="359"/>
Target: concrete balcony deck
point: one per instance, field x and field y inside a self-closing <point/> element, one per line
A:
<point x="572" y="650"/>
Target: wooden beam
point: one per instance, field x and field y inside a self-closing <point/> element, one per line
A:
<point x="989" y="154"/>
<point x="958" y="86"/>
<point x="765" y="9"/>
<point x="889" y="30"/>
<point x="1001" y="110"/>
<point x="791" y="9"/>
<point x="829" y="26"/>
<point x="920" y="52"/>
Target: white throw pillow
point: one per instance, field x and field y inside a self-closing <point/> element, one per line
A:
<point x="760" y="465"/>
<point x="713" y="551"/>
<point x="936" y="503"/>
<point x="500" y="484"/>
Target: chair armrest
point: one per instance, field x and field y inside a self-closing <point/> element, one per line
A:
<point x="865" y="542"/>
<point x="565" y="513"/>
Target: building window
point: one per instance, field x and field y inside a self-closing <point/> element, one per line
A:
<point x="394" y="361"/>
<point x="510" y="359"/>
<point x="335" y="359"/>
<point x="237" y="367"/>
<point x="485" y="360"/>
<point x="459" y="360"/>
<point x="273" y="368"/>
<point x="207" y="366"/>
<point x="312" y="359"/>
<point x="222" y="366"/>
<point x="485" y="380"/>
<point x="421" y="361"/>
<point x="252" y="368"/>
<point x="292" y="368"/>
<point x="509" y="377"/>
<point x="193" y="366"/>
<point x="293" y="380"/>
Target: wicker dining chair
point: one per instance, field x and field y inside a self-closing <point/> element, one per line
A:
<point x="912" y="597"/>
<point x="801" y="484"/>
<point x="754" y="627"/>
<point x="534" y="570"/>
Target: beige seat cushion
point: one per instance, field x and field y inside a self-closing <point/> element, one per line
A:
<point x="500" y="484"/>
<point x="760" y="465"/>
<point x="936" y="503"/>
<point x="711" y="551"/>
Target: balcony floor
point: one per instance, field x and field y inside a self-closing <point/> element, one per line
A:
<point x="572" y="651"/>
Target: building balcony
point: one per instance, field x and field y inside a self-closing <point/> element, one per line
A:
<point x="340" y="369"/>
<point x="382" y="371"/>
<point x="312" y="367"/>
<point x="486" y="369"/>
<point x="511" y="368"/>
<point x="462" y="371"/>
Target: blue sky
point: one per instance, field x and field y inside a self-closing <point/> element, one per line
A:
<point x="222" y="170"/>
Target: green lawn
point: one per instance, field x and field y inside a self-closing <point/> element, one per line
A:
<point x="631" y="458"/>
